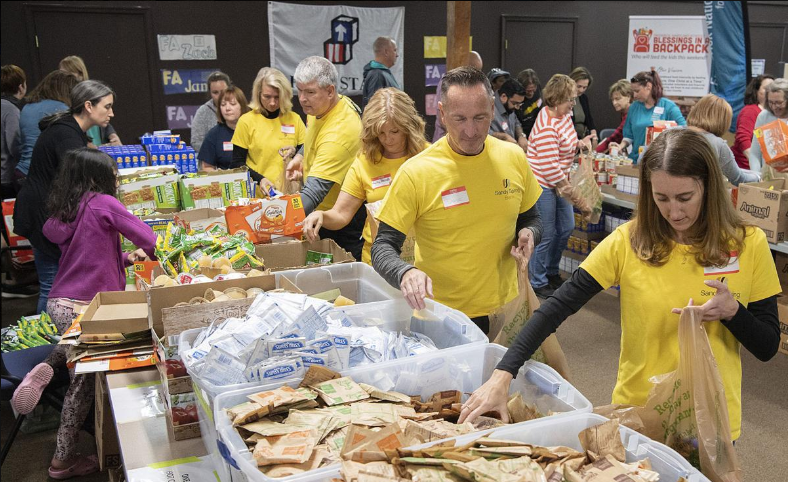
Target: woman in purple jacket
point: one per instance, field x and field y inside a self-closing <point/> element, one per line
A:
<point x="86" y="219"/>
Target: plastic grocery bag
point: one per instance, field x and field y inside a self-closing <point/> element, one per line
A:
<point x="687" y="410"/>
<point x="587" y="188"/>
<point x="507" y="321"/>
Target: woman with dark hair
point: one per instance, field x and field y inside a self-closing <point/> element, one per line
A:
<point x="686" y="228"/>
<point x="217" y="148"/>
<point x="648" y="107"/>
<point x="754" y="104"/>
<point x="91" y="105"/>
<point x="86" y="221"/>
<point x="532" y="104"/>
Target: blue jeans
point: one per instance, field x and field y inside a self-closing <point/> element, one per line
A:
<point x="46" y="266"/>
<point x="558" y="221"/>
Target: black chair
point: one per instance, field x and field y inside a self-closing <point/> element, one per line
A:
<point x="605" y="133"/>
<point x="15" y="365"/>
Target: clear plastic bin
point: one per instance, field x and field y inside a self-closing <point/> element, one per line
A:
<point x="357" y="281"/>
<point x="563" y="431"/>
<point x="463" y="368"/>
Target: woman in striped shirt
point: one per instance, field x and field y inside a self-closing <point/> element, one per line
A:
<point x="551" y="150"/>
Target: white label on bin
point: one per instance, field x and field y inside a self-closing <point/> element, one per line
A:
<point x="381" y="181"/>
<point x="457" y="196"/>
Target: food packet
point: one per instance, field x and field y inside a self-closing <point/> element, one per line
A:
<point x="222" y="368"/>
<point x="316" y="257"/>
<point x="309" y="359"/>
<point x="339" y="391"/>
<point x="309" y="323"/>
<point x="293" y="448"/>
<point x="341" y="345"/>
<point x="246" y="412"/>
<point x="519" y="411"/>
<point x="373" y="445"/>
<point x="394" y="397"/>
<point x="275" y="368"/>
<point x="325" y="346"/>
<point x="604" y="439"/>
<point x="284" y="395"/>
<point x="282" y="346"/>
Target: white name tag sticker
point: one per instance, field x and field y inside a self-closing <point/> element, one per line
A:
<point x="659" y="110"/>
<point x="288" y="128"/>
<point x="455" y="197"/>
<point x="381" y="181"/>
<point x="731" y="268"/>
<point x="227" y="146"/>
<point x="505" y="125"/>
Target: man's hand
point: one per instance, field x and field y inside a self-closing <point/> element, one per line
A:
<point x="722" y="306"/>
<point x="490" y="397"/>
<point x="294" y="170"/>
<point x="416" y="286"/>
<point x="523" y="142"/>
<point x="266" y="185"/>
<point x="525" y="245"/>
<point x="312" y="225"/>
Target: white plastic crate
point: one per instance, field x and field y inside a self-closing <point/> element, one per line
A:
<point x="357" y="281"/>
<point x="463" y="368"/>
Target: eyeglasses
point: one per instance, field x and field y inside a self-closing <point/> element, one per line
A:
<point x="573" y="100"/>
<point x="516" y="105"/>
<point x="776" y="103"/>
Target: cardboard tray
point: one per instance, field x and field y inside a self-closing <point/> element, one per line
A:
<point x="116" y="312"/>
<point x="292" y="255"/>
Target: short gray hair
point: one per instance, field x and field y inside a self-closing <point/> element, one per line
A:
<point x="316" y="69"/>
<point x="380" y="44"/>
<point x="465" y="77"/>
<point x="779" y="85"/>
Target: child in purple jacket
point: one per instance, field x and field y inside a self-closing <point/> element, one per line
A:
<point x="86" y="221"/>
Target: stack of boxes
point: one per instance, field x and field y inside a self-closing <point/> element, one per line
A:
<point x="166" y="149"/>
<point x="129" y="156"/>
<point x="584" y="239"/>
<point x="605" y="168"/>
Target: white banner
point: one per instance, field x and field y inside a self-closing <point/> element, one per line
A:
<point x="677" y="47"/>
<point x="339" y="33"/>
<point x="187" y="47"/>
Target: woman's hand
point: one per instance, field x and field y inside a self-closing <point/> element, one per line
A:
<point x="266" y="186"/>
<point x="137" y="256"/>
<point x="722" y="306"/>
<point x="294" y="170"/>
<point x="289" y="151"/>
<point x="416" y="286"/>
<point x="312" y="225"/>
<point x="490" y="397"/>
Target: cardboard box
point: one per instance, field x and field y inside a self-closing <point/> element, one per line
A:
<point x="116" y="312"/>
<point x="215" y="189"/>
<point x="773" y="138"/>
<point x="181" y="413"/>
<point x="177" y="319"/>
<point x="781" y="262"/>
<point x="107" y="445"/>
<point x="292" y="255"/>
<point x="782" y="310"/>
<point x="160" y="297"/>
<point x="765" y="204"/>
<point x="19" y="256"/>
<point x="261" y="221"/>
<point x="172" y="372"/>
<point x="160" y="193"/>
<point x="200" y="220"/>
<point x="659" y="127"/>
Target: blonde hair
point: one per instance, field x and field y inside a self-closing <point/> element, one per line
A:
<point x="622" y="87"/>
<point x="718" y="230"/>
<point x="558" y="90"/>
<point x="76" y="66"/>
<point x="712" y="114"/>
<point x="275" y="79"/>
<point x="390" y="105"/>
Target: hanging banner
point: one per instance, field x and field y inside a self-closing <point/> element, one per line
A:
<point x="180" y="81"/>
<point x="433" y="74"/>
<point x="342" y="34"/>
<point x="187" y="47"/>
<point x="180" y="116"/>
<point x="725" y="23"/>
<point x="677" y="47"/>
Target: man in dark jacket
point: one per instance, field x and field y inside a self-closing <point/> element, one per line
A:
<point x="376" y="73"/>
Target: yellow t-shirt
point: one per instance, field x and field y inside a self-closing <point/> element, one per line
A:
<point x="649" y="331"/>
<point x="464" y="210"/>
<point x="331" y="145"/>
<point x="263" y="137"/>
<point x="370" y="182"/>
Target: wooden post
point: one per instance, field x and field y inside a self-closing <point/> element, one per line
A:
<point x="458" y="33"/>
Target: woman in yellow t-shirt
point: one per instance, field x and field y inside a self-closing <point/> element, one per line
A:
<point x="392" y="132"/>
<point x="271" y="131"/>
<point x="686" y="243"/>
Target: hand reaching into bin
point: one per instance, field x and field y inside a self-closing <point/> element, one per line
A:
<point x="416" y="286"/>
<point x="490" y="397"/>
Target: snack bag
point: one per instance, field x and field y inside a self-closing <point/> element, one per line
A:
<point x="687" y="410"/>
<point x="260" y="220"/>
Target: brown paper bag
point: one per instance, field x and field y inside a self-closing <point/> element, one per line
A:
<point x="507" y="321"/>
<point x="586" y="186"/>
<point x="687" y="410"/>
<point x="283" y="184"/>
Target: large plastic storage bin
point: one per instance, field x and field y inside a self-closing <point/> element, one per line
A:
<point x="464" y="368"/>
<point x="357" y="281"/>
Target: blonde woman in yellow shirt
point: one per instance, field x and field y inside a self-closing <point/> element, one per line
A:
<point x="392" y="132"/>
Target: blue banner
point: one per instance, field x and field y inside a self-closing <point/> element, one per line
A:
<point x="725" y="21"/>
<point x="183" y="81"/>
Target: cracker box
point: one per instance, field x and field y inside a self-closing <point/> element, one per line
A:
<point x="19" y="256"/>
<point x="157" y="190"/>
<point x="659" y="127"/>
<point x="773" y="138"/>
<point x="215" y="189"/>
<point x="264" y="219"/>
<point x="765" y="204"/>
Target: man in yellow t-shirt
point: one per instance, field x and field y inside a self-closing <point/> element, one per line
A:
<point x="333" y="138"/>
<point x="470" y="197"/>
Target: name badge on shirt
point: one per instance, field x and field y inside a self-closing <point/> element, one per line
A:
<point x="505" y="125"/>
<point x="381" y="181"/>
<point x="288" y="128"/>
<point x="731" y="268"/>
<point x="455" y="197"/>
<point x="659" y="110"/>
<point x="227" y="146"/>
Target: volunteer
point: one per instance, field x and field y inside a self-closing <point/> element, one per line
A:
<point x="497" y="78"/>
<point x="217" y="148"/>
<point x="551" y="151"/>
<point x="86" y="222"/>
<point x="648" y="107"/>
<point x="581" y="112"/>
<point x="392" y="132"/>
<point x="532" y="103"/>
<point x="686" y="231"/>
<point x="711" y="117"/>
<point x="332" y="141"/>
<point x="505" y="126"/>
<point x="264" y="134"/>
<point x="91" y="105"/>
<point x="472" y="60"/>
<point x="621" y="97"/>
<point x="776" y="108"/>
<point x="471" y="199"/>
<point x="754" y="104"/>
<point x="205" y="117"/>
